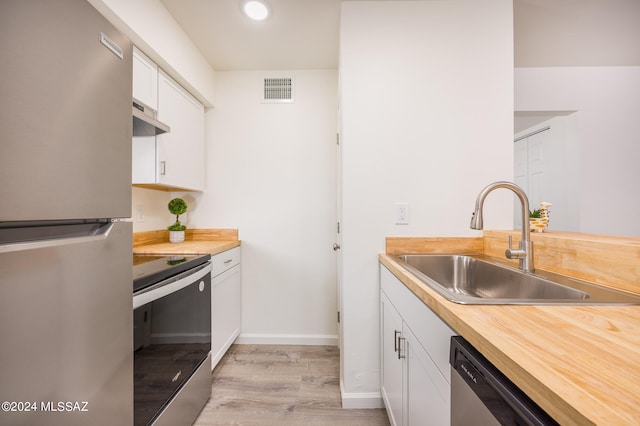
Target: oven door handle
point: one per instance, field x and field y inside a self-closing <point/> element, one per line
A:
<point x="159" y="292"/>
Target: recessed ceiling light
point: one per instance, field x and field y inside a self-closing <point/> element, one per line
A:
<point x="258" y="10"/>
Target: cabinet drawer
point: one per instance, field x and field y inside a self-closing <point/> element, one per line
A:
<point x="225" y="260"/>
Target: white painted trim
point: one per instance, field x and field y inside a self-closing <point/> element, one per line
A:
<point x="366" y="400"/>
<point x="288" y="339"/>
<point x="215" y="358"/>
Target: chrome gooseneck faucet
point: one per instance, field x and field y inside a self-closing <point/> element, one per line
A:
<point x="525" y="253"/>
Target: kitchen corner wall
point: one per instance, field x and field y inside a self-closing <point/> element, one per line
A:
<point x="271" y="173"/>
<point x="427" y="119"/>
<point x="150" y="211"/>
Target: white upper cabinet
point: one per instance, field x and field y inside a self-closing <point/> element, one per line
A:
<point x="173" y="160"/>
<point x="180" y="152"/>
<point x="145" y="80"/>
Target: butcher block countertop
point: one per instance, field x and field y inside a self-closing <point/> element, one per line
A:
<point x="197" y="241"/>
<point x="581" y="364"/>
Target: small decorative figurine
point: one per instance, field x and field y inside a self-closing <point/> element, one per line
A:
<point x="539" y="219"/>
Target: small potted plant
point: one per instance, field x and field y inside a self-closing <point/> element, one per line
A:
<point x="177" y="206"/>
<point x="539" y="218"/>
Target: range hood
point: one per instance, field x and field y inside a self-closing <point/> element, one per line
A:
<point x="144" y="124"/>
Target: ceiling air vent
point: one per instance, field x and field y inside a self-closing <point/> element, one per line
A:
<point x="278" y="90"/>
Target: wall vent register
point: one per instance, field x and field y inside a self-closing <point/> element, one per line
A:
<point x="278" y="90"/>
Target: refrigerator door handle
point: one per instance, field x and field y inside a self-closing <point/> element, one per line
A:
<point x="98" y="235"/>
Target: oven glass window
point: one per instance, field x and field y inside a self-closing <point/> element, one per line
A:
<point x="172" y="337"/>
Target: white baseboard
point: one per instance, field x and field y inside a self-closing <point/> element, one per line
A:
<point x="287" y="339"/>
<point x="367" y="400"/>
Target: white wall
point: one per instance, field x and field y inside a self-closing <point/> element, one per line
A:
<point x="427" y="118"/>
<point x="607" y="101"/>
<point x="150" y="212"/>
<point x="271" y="174"/>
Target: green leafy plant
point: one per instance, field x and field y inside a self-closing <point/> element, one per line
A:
<point x="177" y="206"/>
<point x="535" y="214"/>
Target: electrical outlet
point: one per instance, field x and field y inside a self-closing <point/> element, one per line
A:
<point x="139" y="213"/>
<point x="402" y="213"/>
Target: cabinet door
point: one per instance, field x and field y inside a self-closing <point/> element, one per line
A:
<point x="145" y="80"/>
<point x="180" y="152"/>
<point x="433" y="334"/>
<point x="143" y="160"/>
<point x="427" y="398"/>
<point x="391" y="386"/>
<point x="424" y="396"/>
<point x="225" y="312"/>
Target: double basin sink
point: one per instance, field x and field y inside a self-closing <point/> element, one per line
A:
<point x="480" y="280"/>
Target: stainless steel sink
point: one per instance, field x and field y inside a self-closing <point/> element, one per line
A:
<point x="479" y="279"/>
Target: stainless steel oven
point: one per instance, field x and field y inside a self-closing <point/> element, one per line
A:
<point x="172" y="338"/>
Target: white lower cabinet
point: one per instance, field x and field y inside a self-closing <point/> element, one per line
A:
<point x="392" y="364"/>
<point x="426" y="392"/>
<point x="225" y="302"/>
<point x="415" y="379"/>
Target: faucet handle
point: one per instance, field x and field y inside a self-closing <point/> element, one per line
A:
<point x="512" y="253"/>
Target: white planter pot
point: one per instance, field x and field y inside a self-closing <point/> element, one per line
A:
<point x="176" y="236"/>
<point x="538" y="224"/>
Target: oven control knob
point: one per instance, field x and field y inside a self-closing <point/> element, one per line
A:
<point x="201" y="286"/>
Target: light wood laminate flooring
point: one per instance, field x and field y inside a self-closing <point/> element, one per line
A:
<point x="280" y="385"/>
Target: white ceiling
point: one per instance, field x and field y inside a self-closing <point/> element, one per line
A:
<point x="304" y="34"/>
<point x="300" y="34"/>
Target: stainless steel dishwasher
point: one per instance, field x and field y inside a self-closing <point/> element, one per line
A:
<point x="481" y="395"/>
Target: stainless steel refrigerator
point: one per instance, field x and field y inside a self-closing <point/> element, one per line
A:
<point x="65" y="193"/>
